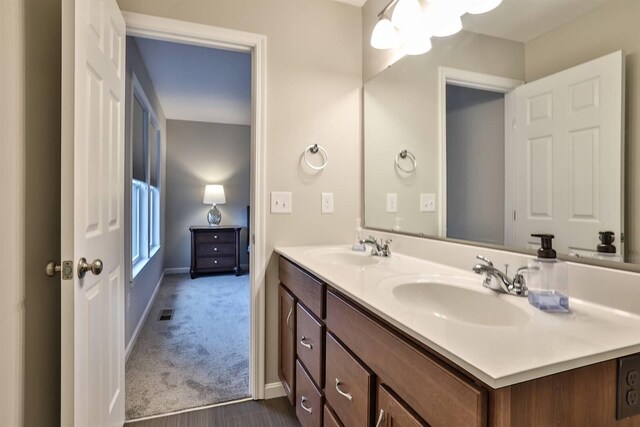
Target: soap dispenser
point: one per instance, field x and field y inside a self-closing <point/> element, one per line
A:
<point x="547" y="278"/>
<point x="606" y="250"/>
<point x="357" y="246"/>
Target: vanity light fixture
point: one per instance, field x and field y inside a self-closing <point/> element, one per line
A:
<point x="411" y="25"/>
<point x="384" y="35"/>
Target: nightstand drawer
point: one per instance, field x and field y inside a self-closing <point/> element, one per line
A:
<point x="216" y="249"/>
<point x="219" y="262"/>
<point x="216" y="236"/>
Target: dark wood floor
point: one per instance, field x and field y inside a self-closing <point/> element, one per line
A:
<point x="258" y="413"/>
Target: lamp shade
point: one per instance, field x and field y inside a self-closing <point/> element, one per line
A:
<point x="214" y="195"/>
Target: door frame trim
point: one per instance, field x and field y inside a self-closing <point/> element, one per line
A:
<point x="469" y="79"/>
<point x="185" y="32"/>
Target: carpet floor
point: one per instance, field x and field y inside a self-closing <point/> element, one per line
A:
<point x="201" y="356"/>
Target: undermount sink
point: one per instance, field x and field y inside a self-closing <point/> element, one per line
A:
<point x="344" y="256"/>
<point x="463" y="304"/>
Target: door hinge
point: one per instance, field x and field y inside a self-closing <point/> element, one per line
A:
<point x="621" y="237"/>
<point x="514" y="215"/>
<point x="253" y="238"/>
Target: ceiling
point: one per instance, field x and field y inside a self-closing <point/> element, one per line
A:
<point x="524" y="20"/>
<point x="358" y="3"/>
<point x="198" y="83"/>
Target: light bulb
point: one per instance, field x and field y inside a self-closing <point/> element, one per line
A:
<point x="384" y="35"/>
<point x="415" y="41"/>
<point x="406" y="14"/>
<point x="442" y="19"/>
<point x="483" y="6"/>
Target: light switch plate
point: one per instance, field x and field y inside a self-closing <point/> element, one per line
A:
<point x="392" y="202"/>
<point x="281" y="202"/>
<point x="327" y="203"/>
<point x="427" y="202"/>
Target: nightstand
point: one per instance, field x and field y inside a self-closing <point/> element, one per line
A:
<point x="215" y="249"/>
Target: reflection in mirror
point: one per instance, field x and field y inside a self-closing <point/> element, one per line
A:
<point x="514" y="126"/>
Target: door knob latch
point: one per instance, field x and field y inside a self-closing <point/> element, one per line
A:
<point x="66" y="269"/>
<point x="83" y="267"/>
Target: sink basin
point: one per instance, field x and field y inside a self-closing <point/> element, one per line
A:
<point x="462" y="304"/>
<point x="344" y="256"/>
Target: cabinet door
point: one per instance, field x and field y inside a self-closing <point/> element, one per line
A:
<point x="392" y="412"/>
<point x="287" y="342"/>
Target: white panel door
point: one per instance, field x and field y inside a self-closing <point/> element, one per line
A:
<point x="95" y="198"/>
<point x="569" y="156"/>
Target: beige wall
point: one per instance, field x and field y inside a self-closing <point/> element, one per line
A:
<point x="199" y="154"/>
<point x="313" y="95"/>
<point x="139" y="291"/>
<point x="401" y="111"/>
<point x="12" y="220"/>
<point x="607" y="29"/>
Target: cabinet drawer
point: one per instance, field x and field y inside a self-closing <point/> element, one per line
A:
<point x="392" y="412"/>
<point x="308" y="399"/>
<point x="438" y="394"/>
<point x="217" y="249"/>
<point x="309" y="344"/>
<point x="307" y="289"/>
<point x="330" y="418"/>
<point x="221" y="236"/>
<point x="216" y="262"/>
<point x="347" y="385"/>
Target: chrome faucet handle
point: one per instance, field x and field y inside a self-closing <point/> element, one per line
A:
<point x="485" y="260"/>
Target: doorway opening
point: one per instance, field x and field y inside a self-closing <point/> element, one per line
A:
<point x="194" y="301"/>
<point x="476" y="136"/>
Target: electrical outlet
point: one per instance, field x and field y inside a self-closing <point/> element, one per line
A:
<point x="327" y="203"/>
<point x="392" y="202"/>
<point x="628" y="400"/>
<point x="281" y="202"/>
<point x="427" y="202"/>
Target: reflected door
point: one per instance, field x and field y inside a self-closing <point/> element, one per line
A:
<point x="569" y="156"/>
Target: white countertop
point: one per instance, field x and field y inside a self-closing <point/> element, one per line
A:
<point x="499" y="356"/>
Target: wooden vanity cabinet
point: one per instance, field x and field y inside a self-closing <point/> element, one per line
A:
<point x="378" y="367"/>
<point x="330" y="419"/>
<point x="348" y="385"/>
<point x="392" y="412"/>
<point x="287" y="342"/>
<point x="308" y="399"/>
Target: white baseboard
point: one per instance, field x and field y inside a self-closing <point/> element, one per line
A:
<point x="147" y="309"/>
<point x="273" y="390"/>
<point x="176" y="270"/>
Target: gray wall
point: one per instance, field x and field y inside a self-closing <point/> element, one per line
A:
<point x="199" y="154"/>
<point x="475" y="165"/>
<point x="139" y="291"/>
<point x="314" y="80"/>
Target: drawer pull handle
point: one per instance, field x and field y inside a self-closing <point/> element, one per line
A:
<point x="215" y="249"/>
<point x="302" y="400"/>
<point x="380" y="418"/>
<point x="215" y="236"/>
<point x="215" y="262"/>
<point x="289" y="317"/>
<point x="347" y="395"/>
<point x="309" y="346"/>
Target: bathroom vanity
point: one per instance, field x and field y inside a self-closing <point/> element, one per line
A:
<point x="363" y="342"/>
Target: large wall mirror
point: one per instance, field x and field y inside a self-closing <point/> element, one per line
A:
<point x="524" y="122"/>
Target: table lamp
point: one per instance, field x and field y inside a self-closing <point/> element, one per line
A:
<point x="214" y="195"/>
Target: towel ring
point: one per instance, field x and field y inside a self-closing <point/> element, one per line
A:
<point x="404" y="154"/>
<point x="313" y="149"/>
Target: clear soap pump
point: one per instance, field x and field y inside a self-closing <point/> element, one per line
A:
<point x="548" y="278"/>
<point x="357" y="246"/>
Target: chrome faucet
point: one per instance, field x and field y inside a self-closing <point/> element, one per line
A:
<point x="378" y="248"/>
<point x="498" y="281"/>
